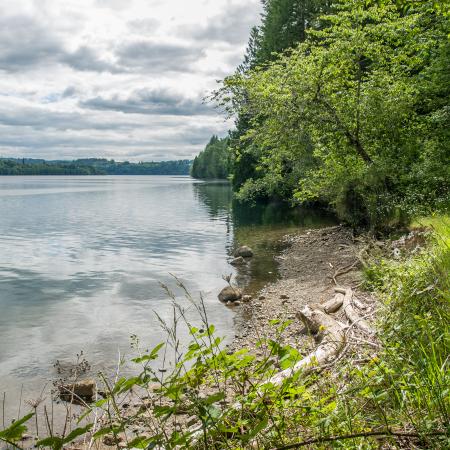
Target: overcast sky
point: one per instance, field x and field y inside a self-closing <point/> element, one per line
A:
<point x="121" y="79"/>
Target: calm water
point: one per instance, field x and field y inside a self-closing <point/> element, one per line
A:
<point x="82" y="259"/>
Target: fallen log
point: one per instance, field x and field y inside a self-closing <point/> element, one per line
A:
<point x="334" y="304"/>
<point x="332" y="336"/>
<point x="350" y="312"/>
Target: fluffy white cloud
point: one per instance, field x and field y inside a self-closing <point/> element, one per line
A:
<point x="115" y="78"/>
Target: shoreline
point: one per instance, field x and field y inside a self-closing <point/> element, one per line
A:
<point x="309" y="266"/>
<point x="315" y="266"/>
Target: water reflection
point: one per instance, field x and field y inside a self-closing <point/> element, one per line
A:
<point x="216" y="196"/>
<point x="261" y="226"/>
<point x="82" y="258"/>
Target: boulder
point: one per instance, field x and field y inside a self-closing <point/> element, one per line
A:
<point x="230" y="294"/>
<point x="81" y="390"/>
<point x="244" y="252"/>
<point x="239" y="261"/>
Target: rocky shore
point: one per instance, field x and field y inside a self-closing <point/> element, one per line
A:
<point x="311" y="267"/>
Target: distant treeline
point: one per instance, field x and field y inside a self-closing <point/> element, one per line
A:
<point x="214" y="161"/>
<point x="92" y="166"/>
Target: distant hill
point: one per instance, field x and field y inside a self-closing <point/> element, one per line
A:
<point x="91" y="166"/>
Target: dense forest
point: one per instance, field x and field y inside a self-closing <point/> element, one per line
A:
<point x="213" y="162"/>
<point x="344" y="104"/>
<point x="92" y="166"/>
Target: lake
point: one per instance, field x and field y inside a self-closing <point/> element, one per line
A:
<point x="82" y="260"/>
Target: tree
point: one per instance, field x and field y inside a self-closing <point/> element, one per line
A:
<point x="346" y="117"/>
<point x="213" y="161"/>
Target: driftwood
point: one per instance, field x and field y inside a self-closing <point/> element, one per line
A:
<point x="332" y="342"/>
<point x="333" y="305"/>
<point x="331" y="333"/>
<point x="350" y="312"/>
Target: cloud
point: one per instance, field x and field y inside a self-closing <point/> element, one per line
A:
<point x="114" y="78"/>
<point x="86" y="59"/>
<point x="152" y="102"/>
<point x="25" y="43"/>
<point x="158" y="57"/>
<point x="144" y="26"/>
<point x="231" y="26"/>
<point x="69" y="92"/>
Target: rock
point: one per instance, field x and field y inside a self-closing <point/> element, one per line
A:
<point x="284" y="297"/>
<point x="244" y="252"/>
<point x="239" y="261"/>
<point x="230" y="294"/>
<point x="84" y="390"/>
<point x="26" y="437"/>
<point x="111" y="441"/>
<point x="247" y="298"/>
<point x="261" y="297"/>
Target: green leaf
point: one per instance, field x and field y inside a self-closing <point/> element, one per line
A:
<point x="76" y="433"/>
<point x="55" y="443"/>
<point x="16" y="430"/>
<point x="151" y="356"/>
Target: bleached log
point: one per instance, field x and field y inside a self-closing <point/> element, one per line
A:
<point x="334" y="304"/>
<point x="350" y="312"/>
<point x="333" y="339"/>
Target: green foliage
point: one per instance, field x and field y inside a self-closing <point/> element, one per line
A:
<point x="57" y="443"/>
<point x="356" y="116"/>
<point x="284" y="24"/>
<point x="16" y="430"/>
<point x="415" y="330"/>
<point x="213" y="162"/>
<point x="92" y="166"/>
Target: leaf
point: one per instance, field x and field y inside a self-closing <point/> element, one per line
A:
<point x="55" y="443"/>
<point x="16" y="430"/>
<point x="215" y="398"/>
<point x="151" y="356"/>
<point x="142" y="442"/>
<point x="261" y="426"/>
<point x="76" y="433"/>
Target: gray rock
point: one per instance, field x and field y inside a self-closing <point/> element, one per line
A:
<point x="244" y="251"/>
<point x="230" y="294"/>
<point x="247" y="298"/>
<point x="239" y="261"/>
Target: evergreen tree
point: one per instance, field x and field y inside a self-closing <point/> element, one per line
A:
<point x="213" y="161"/>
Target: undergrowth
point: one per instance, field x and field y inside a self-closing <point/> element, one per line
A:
<point x="394" y="393"/>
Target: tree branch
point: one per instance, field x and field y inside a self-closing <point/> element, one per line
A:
<point x="385" y="433"/>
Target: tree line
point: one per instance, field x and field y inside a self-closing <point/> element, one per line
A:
<point x="92" y="166"/>
<point x="346" y="104"/>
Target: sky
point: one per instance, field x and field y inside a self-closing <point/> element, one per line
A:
<point x="120" y="79"/>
